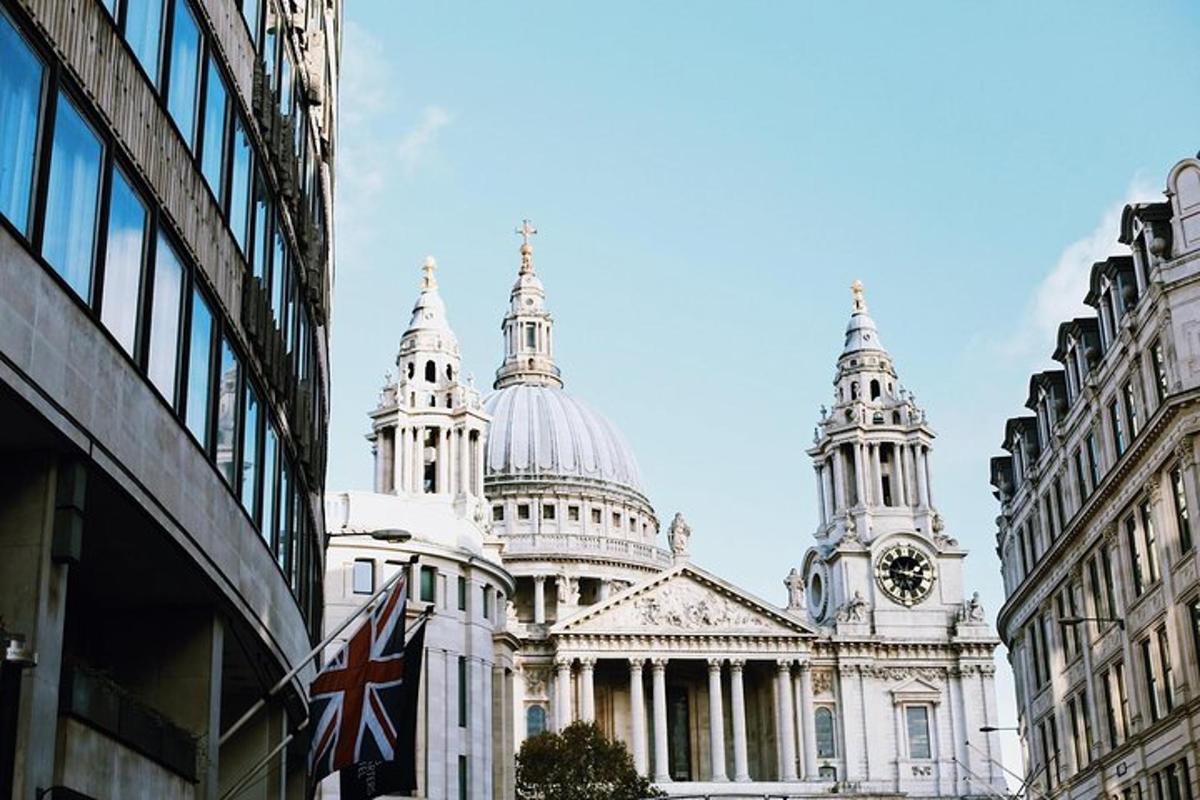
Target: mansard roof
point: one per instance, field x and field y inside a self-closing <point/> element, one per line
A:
<point x="1110" y="268"/>
<point x="1145" y="213"/>
<point x="1052" y="381"/>
<point x="1086" y="329"/>
<point x="1018" y="426"/>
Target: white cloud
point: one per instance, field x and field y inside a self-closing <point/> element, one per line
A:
<point x="1059" y="296"/>
<point x="372" y="155"/>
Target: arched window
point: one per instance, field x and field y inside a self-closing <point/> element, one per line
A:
<point x="535" y="720"/>
<point x="826" y="740"/>
<point x="411" y="370"/>
<point x="449" y="372"/>
<point x="875" y="392"/>
<point x="449" y="400"/>
<point x="430" y="371"/>
<point x="854" y="390"/>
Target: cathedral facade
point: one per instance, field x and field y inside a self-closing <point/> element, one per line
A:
<point x="871" y="679"/>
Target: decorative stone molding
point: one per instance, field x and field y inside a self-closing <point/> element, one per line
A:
<point x="854" y="610"/>
<point x="1153" y="488"/>
<point x="927" y="674"/>
<point x="715" y="664"/>
<point x="1185" y="452"/>
<point x="822" y="681"/>
<point x="535" y="682"/>
<point x="659" y="664"/>
<point x="737" y="664"/>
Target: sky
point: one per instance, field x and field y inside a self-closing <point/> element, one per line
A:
<point x="707" y="180"/>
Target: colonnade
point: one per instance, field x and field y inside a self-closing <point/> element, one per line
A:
<point x="796" y="753"/>
<point x="910" y="471"/>
<point x="400" y="460"/>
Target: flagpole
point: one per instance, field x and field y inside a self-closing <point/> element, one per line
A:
<point x="243" y="783"/>
<point x="300" y="665"/>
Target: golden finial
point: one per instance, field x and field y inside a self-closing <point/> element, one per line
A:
<point x="427" y="279"/>
<point x="860" y="305"/>
<point x="525" y="231"/>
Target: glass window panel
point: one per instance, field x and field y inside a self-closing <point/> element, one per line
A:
<point x="283" y="550"/>
<point x="250" y="14"/>
<point x="143" y="32"/>
<point x="199" y="368"/>
<point x="270" y="450"/>
<point x="124" y="254"/>
<point x="239" y="195"/>
<point x="250" y="465"/>
<point x="278" y="270"/>
<point x="216" y="104"/>
<point x="261" y="246"/>
<point x="364" y="576"/>
<point x="535" y="720"/>
<point x="69" y="239"/>
<point x="917" y="718"/>
<point x="269" y="45"/>
<point x="21" y="73"/>
<point x="826" y="744"/>
<point x="185" y="71"/>
<point x="164" y="319"/>
<point x="285" y="84"/>
<point x="227" y="413"/>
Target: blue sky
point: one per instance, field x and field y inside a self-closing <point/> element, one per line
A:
<point x="708" y="179"/>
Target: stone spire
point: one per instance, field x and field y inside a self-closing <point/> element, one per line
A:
<point x="872" y="448"/>
<point x="528" y="327"/>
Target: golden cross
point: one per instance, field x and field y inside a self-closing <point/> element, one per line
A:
<point x="526" y="230"/>
<point x="856" y="289"/>
<point x="428" y="281"/>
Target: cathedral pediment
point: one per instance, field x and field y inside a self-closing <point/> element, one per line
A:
<point x="916" y="690"/>
<point x="684" y="600"/>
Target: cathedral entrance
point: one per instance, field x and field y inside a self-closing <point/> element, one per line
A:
<point x="679" y="739"/>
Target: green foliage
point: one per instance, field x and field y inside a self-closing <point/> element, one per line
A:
<point x="579" y="764"/>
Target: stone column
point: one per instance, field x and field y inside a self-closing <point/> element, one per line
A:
<point x="839" y="480"/>
<point x="807" y="721"/>
<point x="737" y="699"/>
<point x="716" y="721"/>
<point x="605" y="589"/>
<point x="401" y="461"/>
<point x="820" y="470"/>
<point x="877" y="475"/>
<point x="922" y="486"/>
<point x="539" y="599"/>
<point x="380" y="467"/>
<point x="637" y="715"/>
<point x="418" y="461"/>
<point x="587" y="689"/>
<point x="444" y="447"/>
<point x="562" y="714"/>
<point x="928" y="477"/>
<point x="464" y="463"/>
<point x="787" y="723"/>
<point x="860" y="465"/>
<point x="662" y="772"/>
<point x="827" y="489"/>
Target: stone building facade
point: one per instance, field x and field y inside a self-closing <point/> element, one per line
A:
<point x="871" y="680"/>
<point x="165" y="203"/>
<point x="1097" y="490"/>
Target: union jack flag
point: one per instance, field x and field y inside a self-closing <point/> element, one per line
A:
<point x="364" y="703"/>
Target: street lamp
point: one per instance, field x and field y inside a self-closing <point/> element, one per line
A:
<point x="1081" y="620"/>
<point x="994" y="728"/>
<point x="394" y="535"/>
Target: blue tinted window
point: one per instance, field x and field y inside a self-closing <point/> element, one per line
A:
<point x="283" y="549"/>
<point x="261" y="248"/>
<point x="21" y="74"/>
<point x="164" y="319"/>
<point x="535" y="721"/>
<point x="250" y="13"/>
<point x="278" y="270"/>
<point x="199" y="368"/>
<point x="127" y="217"/>
<point x="69" y="239"/>
<point x="227" y="413"/>
<point x="285" y="85"/>
<point x="143" y="32"/>
<point x="825" y="733"/>
<point x="239" y="196"/>
<point x="212" y="162"/>
<point x="250" y="465"/>
<point x="270" y="450"/>
<point x="185" y="71"/>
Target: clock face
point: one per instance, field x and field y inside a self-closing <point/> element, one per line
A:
<point x="905" y="573"/>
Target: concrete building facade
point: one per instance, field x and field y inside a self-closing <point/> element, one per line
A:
<point x="165" y="268"/>
<point x="1097" y="489"/>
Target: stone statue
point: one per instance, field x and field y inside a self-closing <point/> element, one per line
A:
<point x="510" y="612"/>
<point x="972" y="610"/>
<point x="573" y="591"/>
<point x="851" y="534"/>
<point x="855" y="609"/>
<point x="564" y="591"/>
<point x="795" y="586"/>
<point x="678" y="535"/>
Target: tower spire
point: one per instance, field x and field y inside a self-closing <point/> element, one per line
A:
<point x="428" y="281"/>
<point x="528" y="326"/>
<point x="856" y="291"/>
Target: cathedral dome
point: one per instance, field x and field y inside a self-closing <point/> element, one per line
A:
<point x="545" y="432"/>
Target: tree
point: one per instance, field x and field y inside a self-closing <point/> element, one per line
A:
<point x="579" y="764"/>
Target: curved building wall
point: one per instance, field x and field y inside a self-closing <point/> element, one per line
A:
<point x="165" y="257"/>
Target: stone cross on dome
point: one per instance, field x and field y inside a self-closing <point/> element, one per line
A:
<point x="525" y="231"/>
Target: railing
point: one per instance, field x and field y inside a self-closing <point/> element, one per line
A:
<point x="585" y="544"/>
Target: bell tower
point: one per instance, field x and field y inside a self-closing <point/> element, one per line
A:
<point x="428" y="431"/>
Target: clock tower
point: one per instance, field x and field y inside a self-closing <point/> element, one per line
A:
<point x="882" y="563"/>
